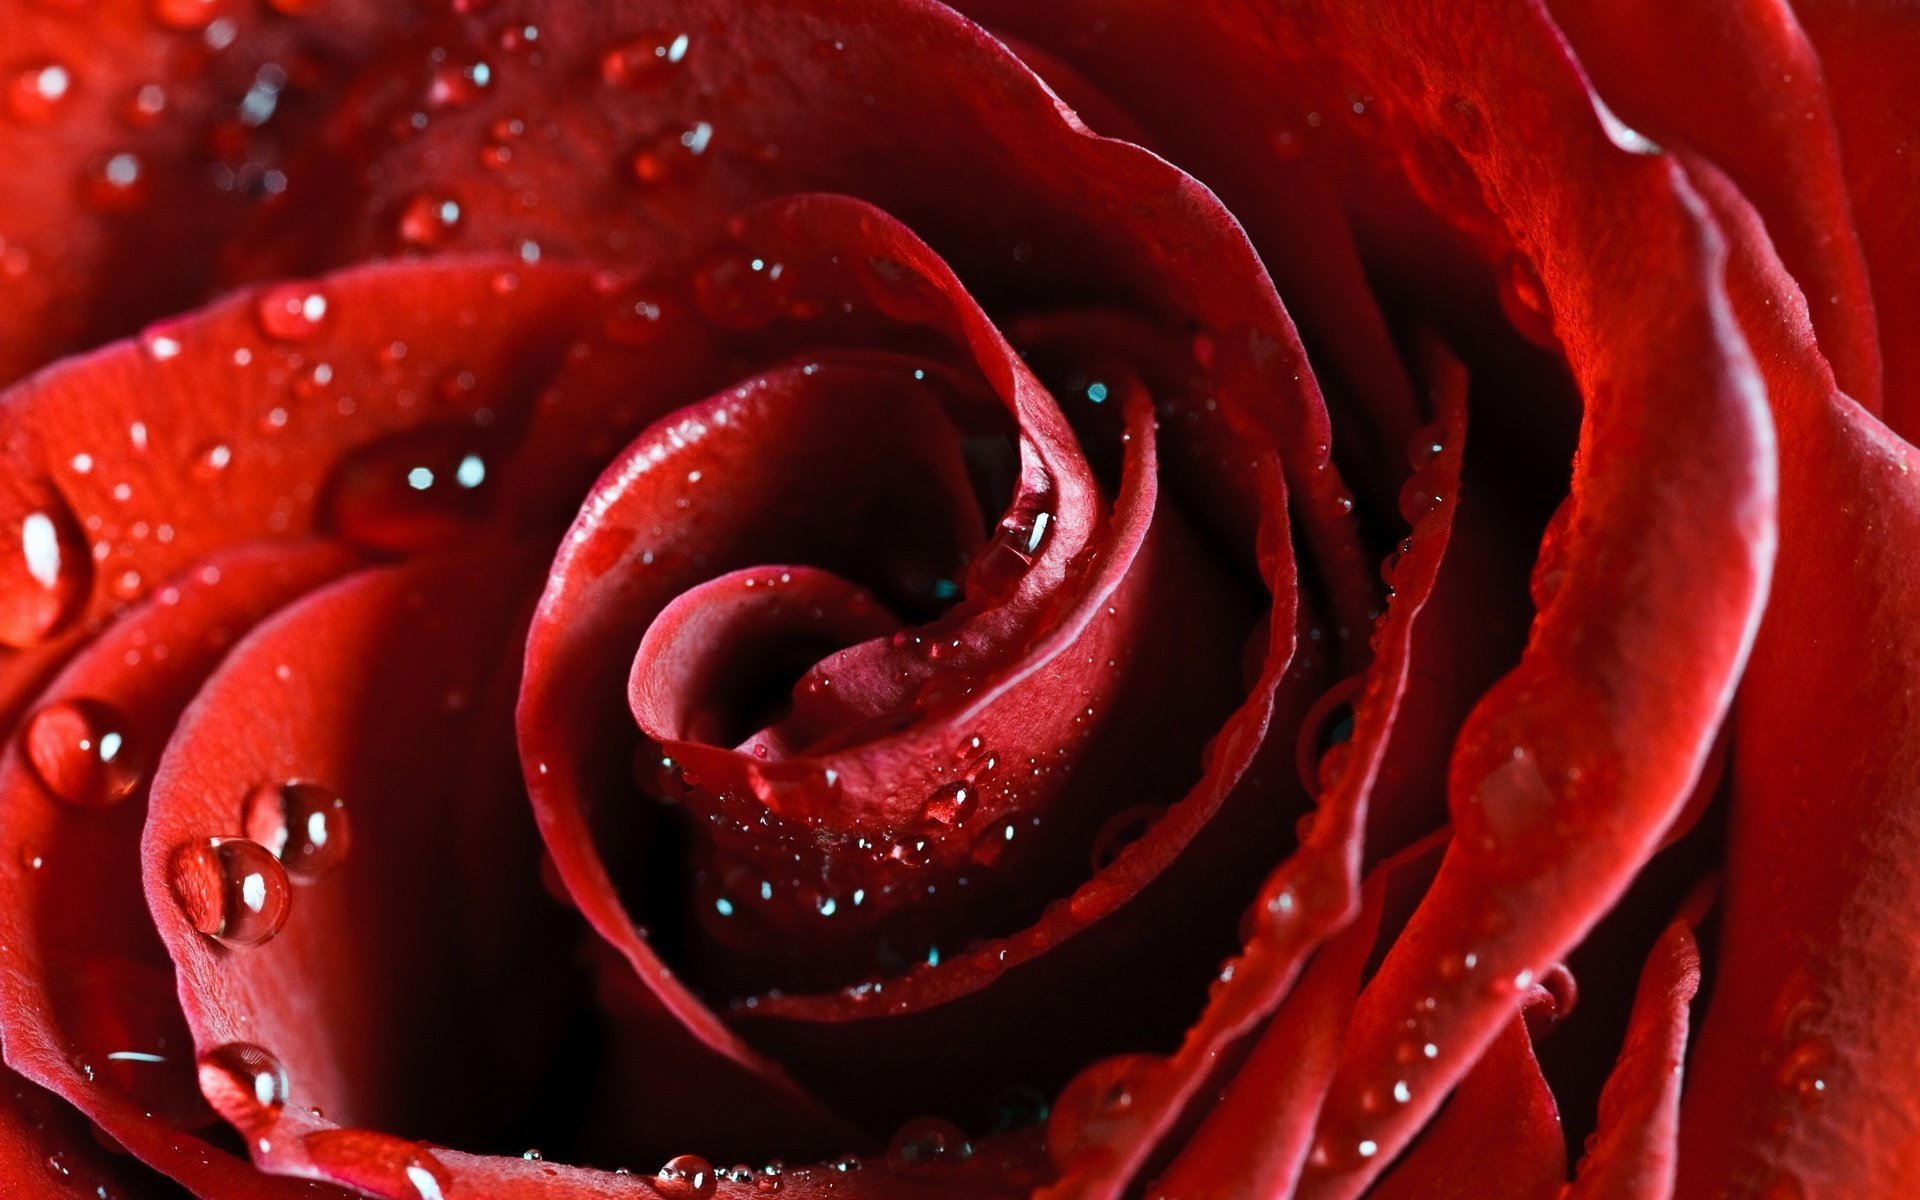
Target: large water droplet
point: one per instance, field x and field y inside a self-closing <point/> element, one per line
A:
<point x="925" y="1145"/>
<point x="45" y="570"/>
<point x="378" y="1162"/>
<point x="302" y="824"/>
<point x="687" y="1177"/>
<point x="244" y="1083"/>
<point x="80" y="752"/>
<point x="410" y="492"/>
<point x="646" y="61"/>
<point x="291" y="312"/>
<point x="184" y="15"/>
<point x="953" y="804"/>
<point x="231" y="889"/>
<point x="997" y="570"/>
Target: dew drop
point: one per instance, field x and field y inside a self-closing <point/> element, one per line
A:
<point x="646" y="61"/>
<point x="672" y="155"/>
<point x="45" y="570"/>
<point x="379" y="1162"/>
<point x="1423" y="492"/>
<point x="115" y="183"/>
<point x="996" y="571"/>
<point x="1523" y="298"/>
<point x="231" y="889"/>
<point x="429" y="219"/>
<point x="952" y="805"/>
<point x="413" y="491"/>
<point x="1121" y="830"/>
<point x="925" y="1145"/>
<point x="635" y="318"/>
<point x="687" y="1177"/>
<point x="245" y="1084"/>
<point x="291" y="312"/>
<point x="79" y="751"/>
<point x="302" y="824"/>
<point x="740" y="292"/>
<point x="36" y="93"/>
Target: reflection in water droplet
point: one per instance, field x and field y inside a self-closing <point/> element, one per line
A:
<point x="925" y="1145"/>
<point x="687" y="1177"/>
<point x="80" y="752"/>
<point x="244" y="1083"/>
<point x="415" y="491"/>
<point x="45" y="570"/>
<point x="302" y="824"/>
<point x="231" y="889"/>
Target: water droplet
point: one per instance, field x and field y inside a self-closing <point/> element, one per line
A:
<point x="1523" y="298"/>
<point x="923" y="1146"/>
<point x="291" y="312"/>
<point x="244" y="1083"/>
<point x="184" y="15"/>
<point x="231" y="889"/>
<point x="673" y="154"/>
<point x="1804" y="1069"/>
<point x="38" y="92"/>
<point x="79" y="751"/>
<point x="1122" y="830"/>
<point x="378" y="1162"/>
<point x="410" y="492"/>
<point x="635" y="317"/>
<point x="115" y="183"/>
<point x="302" y="824"/>
<point x="997" y="570"/>
<point x="429" y="219"/>
<point x="45" y="570"/>
<point x="687" y="1177"/>
<point x="1423" y="492"/>
<point x="952" y="805"/>
<point x="739" y="291"/>
<point x="646" y="61"/>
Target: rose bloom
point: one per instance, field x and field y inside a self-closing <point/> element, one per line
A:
<point x="1061" y="598"/>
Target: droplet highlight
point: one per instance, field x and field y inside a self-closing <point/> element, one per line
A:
<point x="231" y="889"/>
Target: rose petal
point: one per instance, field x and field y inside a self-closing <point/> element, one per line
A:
<point x="1635" y="1148"/>
<point x="1795" y="1084"/>
<point x="87" y="1000"/>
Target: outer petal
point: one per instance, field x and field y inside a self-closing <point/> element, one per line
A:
<point x="1803" y="1078"/>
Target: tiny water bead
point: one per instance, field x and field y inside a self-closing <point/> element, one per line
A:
<point x="291" y="313"/>
<point x="45" y="570"/>
<point x="645" y="62"/>
<point x="115" y="183"/>
<point x="302" y="824"/>
<point x="953" y="804"/>
<point x="231" y="889"/>
<point x="410" y="492"/>
<point x="429" y="219"/>
<point x="673" y="154"/>
<point x="687" y="1177"/>
<point x="80" y="752"/>
<point x="927" y="1145"/>
<point x="245" y="1083"/>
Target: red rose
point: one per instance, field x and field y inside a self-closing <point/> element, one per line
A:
<point x="770" y="580"/>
